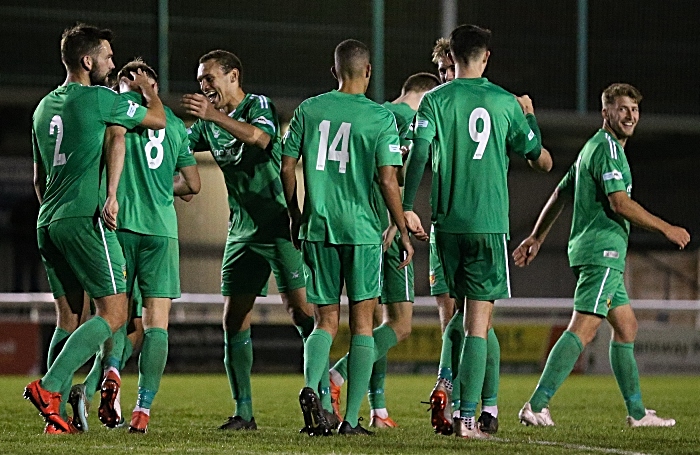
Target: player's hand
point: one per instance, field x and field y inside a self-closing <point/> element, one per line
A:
<point x="138" y="82"/>
<point x="678" y="236"/>
<point x="388" y="237"/>
<point x="526" y="251"/>
<point x="406" y="251"/>
<point x="198" y="105"/>
<point x="294" y="227"/>
<point x="109" y="213"/>
<point x="414" y="225"/>
<point x="404" y="152"/>
<point x="526" y="104"/>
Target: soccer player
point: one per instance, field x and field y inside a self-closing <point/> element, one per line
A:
<point x="471" y="125"/>
<point x="599" y="184"/>
<point x="79" y="253"/>
<point x="397" y="285"/>
<point x="443" y="59"/>
<point x="243" y="133"/>
<point x="346" y="141"/>
<point x="147" y="232"/>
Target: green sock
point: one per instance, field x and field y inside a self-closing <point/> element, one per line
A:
<point x="58" y="340"/>
<point x="306" y="327"/>
<point x="376" y="384"/>
<point x="94" y="377"/>
<point x="80" y="346"/>
<point x="341" y="366"/>
<point x="560" y="362"/>
<point x="384" y="339"/>
<point x="471" y="374"/>
<point x="452" y="331"/>
<point x="360" y="360"/>
<point x="489" y="394"/>
<point x="128" y="350"/>
<point x="151" y="365"/>
<point x="624" y="367"/>
<point x="457" y="342"/>
<point x="238" y="359"/>
<point x="324" y="389"/>
<point x="316" y="351"/>
<point x="114" y="356"/>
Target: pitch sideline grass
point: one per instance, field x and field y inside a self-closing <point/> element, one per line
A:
<point x="588" y="410"/>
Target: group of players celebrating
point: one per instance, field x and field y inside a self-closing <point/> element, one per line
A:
<point x="108" y="164"/>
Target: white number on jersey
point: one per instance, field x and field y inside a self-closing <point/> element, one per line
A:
<point x="332" y="152"/>
<point x="480" y="137"/>
<point x="59" y="159"/>
<point x="155" y="141"/>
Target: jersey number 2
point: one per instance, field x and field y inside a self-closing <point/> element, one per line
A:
<point x="56" y="127"/>
<point x="332" y="152"/>
<point x="480" y="137"/>
<point x="155" y="141"/>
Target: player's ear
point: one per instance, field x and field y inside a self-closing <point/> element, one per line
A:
<point x="487" y="54"/>
<point x="86" y="62"/>
<point x="234" y="75"/>
<point x="368" y="71"/>
<point x="335" y="75"/>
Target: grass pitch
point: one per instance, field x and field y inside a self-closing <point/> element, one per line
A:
<point x="588" y="410"/>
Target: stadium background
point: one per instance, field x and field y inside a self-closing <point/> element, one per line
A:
<point x="562" y="53"/>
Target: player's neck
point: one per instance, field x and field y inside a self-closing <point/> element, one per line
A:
<point x="82" y="78"/>
<point x="410" y="98"/>
<point x="352" y="86"/>
<point x="622" y="141"/>
<point x="472" y="70"/>
<point x="235" y="99"/>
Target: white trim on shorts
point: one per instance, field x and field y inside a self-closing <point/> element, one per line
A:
<point x="600" y="292"/>
<point x="505" y="251"/>
<point x="109" y="260"/>
<point x="405" y="275"/>
<point x="379" y="275"/>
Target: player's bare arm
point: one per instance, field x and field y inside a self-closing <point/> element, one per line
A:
<point x="289" y="185"/>
<point x="630" y="210"/>
<point x="39" y="181"/>
<point x="187" y="182"/>
<point x="389" y="186"/>
<point x="198" y="105"/>
<point x="525" y="253"/>
<point x="114" y="152"/>
<point x="155" y="115"/>
<point x="544" y="163"/>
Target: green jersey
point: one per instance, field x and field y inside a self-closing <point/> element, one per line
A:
<point x="472" y="126"/>
<point x="68" y="131"/>
<point x="343" y="139"/>
<point x="258" y="211"/>
<point x="145" y="191"/>
<point x="598" y="235"/>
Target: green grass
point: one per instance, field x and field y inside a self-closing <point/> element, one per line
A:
<point x="588" y="410"/>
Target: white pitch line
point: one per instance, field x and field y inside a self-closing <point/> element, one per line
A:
<point x="573" y="446"/>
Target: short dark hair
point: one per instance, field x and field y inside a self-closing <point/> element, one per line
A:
<point x="469" y="41"/>
<point x="441" y="49"/>
<point x="226" y="60"/>
<point x="137" y="64"/>
<point x="420" y="82"/>
<point x="351" y="57"/>
<point x="81" y="40"/>
<point x="620" y="89"/>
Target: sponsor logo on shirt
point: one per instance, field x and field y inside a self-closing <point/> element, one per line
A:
<point x="295" y="274"/>
<point x="611" y="254"/>
<point x="394" y="148"/>
<point x="530" y="135"/>
<point x="264" y="121"/>
<point x="614" y="175"/>
<point x="132" y="108"/>
<point x="421" y="124"/>
<point x="215" y="131"/>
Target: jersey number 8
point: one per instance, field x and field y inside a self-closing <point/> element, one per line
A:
<point x="155" y="141"/>
<point x="480" y="137"/>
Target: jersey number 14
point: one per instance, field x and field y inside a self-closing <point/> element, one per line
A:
<point x="342" y="137"/>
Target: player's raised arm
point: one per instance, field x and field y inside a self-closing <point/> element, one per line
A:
<point x="187" y="182"/>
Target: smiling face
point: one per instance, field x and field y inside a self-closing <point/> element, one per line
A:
<point x="215" y="84"/>
<point x="621" y="116"/>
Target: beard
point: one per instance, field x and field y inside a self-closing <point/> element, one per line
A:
<point x="99" y="78"/>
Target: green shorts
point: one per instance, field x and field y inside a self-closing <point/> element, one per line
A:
<point x="246" y="267"/>
<point x="81" y="254"/>
<point x="475" y="265"/>
<point x="397" y="285"/>
<point x="599" y="289"/>
<point x="136" y="302"/>
<point x="154" y="260"/>
<point x="436" y="278"/>
<point x="359" y="267"/>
